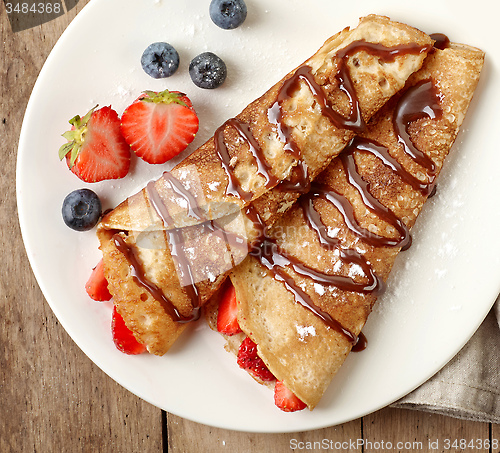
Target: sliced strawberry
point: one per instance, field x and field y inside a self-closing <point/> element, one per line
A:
<point x="96" y="149"/>
<point x="158" y="126"/>
<point x="249" y="360"/>
<point x="227" y="316"/>
<point x="97" y="285"/>
<point x="285" y="399"/>
<point x="123" y="337"/>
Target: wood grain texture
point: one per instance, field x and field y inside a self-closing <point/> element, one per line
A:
<point x="418" y="431"/>
<point x="55" y="399"/>
<point x="186" y="436"/>
<point x="495" y="437"/>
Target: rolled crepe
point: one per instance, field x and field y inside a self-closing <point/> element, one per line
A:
<point x="305" y="294"/>
<point x="265" y="157"/>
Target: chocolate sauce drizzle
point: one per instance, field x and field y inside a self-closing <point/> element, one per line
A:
<point x="418" y="102"/>
<point x="175" y="241"/>
<point x="361" y="343"/>
<point x="140" y="278"/>
<point x="354" y="121"/>
<point x="275" y="260"/>
<point x="243" y="129"/>
<point x="441" y="41"/>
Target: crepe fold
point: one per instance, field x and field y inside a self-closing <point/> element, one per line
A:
<point x="188" y="228"/>
<point x="351" y="225"/>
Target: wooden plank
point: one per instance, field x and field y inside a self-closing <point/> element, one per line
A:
<point x="495" y="437"/>
<point x="189" y="437"/>
<point x="53" y="397"/>
<point x="408" y="431"/>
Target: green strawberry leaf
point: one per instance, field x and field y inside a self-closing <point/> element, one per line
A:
<point x="75" y="136"/>
<point x="65" y="149"/>
<point x="74" y="155"/>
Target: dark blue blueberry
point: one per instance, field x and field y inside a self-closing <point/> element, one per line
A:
<point x="81" y="209"/>
<point x="228" y="14"/>
<point x="160" y="60"/>
<point x="207" y="70"/>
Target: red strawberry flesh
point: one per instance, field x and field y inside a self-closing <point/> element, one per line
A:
<point x="249" y="360"/>
<point x="227" y="316"/>
<point x="100" y="152"/>
<point x="286" y="400"/>
<point x="97" y="285"/>
<point x="158" y="126"/>
<point x="123" y="337"/>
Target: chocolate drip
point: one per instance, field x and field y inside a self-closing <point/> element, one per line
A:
<point x="418" y="102"/>
<point x="380" y="151"/>
<point x="441" y="41"/>
<point x="347" y="211"/>
<point x="374" y="205"/>
<point x="269" y="252"/>
<point x="375" y="284"/>
<point x="193" y="207"/>
<point x="361" y="344"/>
<point x="275" y="260"/>
<point x="264" y="169"/>
<point x="354" y="121"/>
<point x="174" y="235"/>
<point x="175" y="240"/>
<point x="264" y="248"/>
<point x="140" y="278"/>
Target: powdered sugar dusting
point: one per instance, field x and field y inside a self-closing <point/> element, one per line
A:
<point x="320" y="289"/>
<point x="305" y="331"/>
<point x="213" y="185"/>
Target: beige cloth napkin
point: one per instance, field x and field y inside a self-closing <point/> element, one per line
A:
<point x="468" y="387"/>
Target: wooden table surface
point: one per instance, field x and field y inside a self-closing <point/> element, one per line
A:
<point x="54" y="399"/>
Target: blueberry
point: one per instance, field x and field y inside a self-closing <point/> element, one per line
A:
<point x="81" y="209"/>
<point x="160" y="60"/>
<point x="207" y="70"/>
<point x="228" y="14"/>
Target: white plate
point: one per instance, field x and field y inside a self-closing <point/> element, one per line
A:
<point x="440" y="289"/>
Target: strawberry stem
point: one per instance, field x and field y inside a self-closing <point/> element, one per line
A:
<point x="75" y="136"/>
<point x="164" y="97"/>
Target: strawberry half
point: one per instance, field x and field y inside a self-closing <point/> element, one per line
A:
<point x="249" y="360"/>
<point x="123" y="337"/>
<point x="96" y="149"/>
<point x="97" y="285"/>
<point x="227" y="316"/>
<point x="158" y="126"/>
<point x="285" y="399"/>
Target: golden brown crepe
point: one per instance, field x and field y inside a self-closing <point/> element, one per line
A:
<point x="291" y="134"/>
<point x="298" y="346"/>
